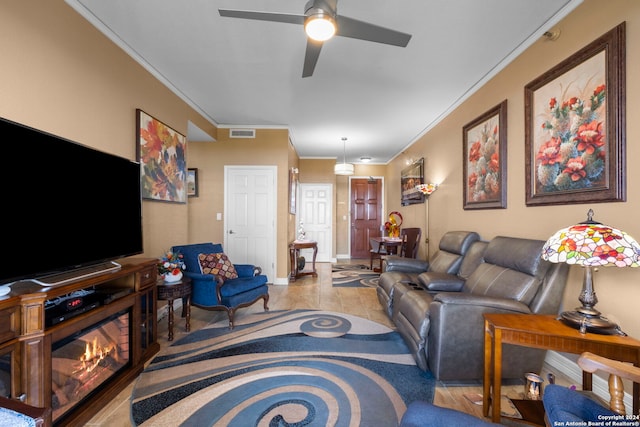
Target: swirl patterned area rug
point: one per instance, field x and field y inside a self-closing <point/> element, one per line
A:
<point x="353" y="276"/>
<point x="282" y="368"/>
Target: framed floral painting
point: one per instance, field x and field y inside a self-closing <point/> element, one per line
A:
<point x="574" y="130"/>
<point x="162" y="157"/>
<point x="485" y="160"/>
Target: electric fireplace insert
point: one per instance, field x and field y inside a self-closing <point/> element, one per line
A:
<point x="85" y="361"/>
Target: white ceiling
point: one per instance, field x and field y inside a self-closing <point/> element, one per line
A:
<point x="247" y="73"/>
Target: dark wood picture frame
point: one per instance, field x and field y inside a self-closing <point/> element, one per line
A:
<point x="575" y="140"/>
<point x="192" y="182"/>
<point x="410" y="177"/>
<point x="484" y="162"/>
<point x="293" y="190"/>
<point x="161" y="152"/>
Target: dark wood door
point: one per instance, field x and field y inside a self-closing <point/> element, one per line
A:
<point x="366" y="214"/>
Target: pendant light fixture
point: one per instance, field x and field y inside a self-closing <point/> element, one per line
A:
<point x="344" y="168"/>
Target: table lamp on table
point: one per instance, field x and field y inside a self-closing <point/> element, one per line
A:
<point x="591" y="244"/>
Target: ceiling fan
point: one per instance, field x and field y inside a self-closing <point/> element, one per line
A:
<point x="322" y="15"/>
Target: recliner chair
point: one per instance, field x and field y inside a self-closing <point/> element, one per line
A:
<point x="452" y="247"/>
<point x="446" y="328"/>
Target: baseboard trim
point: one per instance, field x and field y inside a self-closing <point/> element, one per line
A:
<point x="570" y="369"/>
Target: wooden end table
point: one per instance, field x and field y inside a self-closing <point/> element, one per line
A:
<point x="548" y="333"/>
<point x="171" y="291"/>
<point x="294" y="252"/>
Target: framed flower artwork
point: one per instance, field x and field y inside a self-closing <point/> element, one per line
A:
<point x="574" y="127"/>
<point x="485" y="160"/>
<point x="162" y="157"/>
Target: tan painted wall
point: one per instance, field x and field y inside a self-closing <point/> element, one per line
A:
<point x="617" y="289"/>
<point x="270" y="148"/>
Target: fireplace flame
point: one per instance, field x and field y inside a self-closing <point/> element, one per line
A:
<point x="94" y="354"/>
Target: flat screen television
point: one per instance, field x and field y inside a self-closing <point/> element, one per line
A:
<point x="67" y="207"/>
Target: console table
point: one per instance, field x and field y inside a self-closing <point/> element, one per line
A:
<point x="294" y="252"/>
<point x="548" y="333"/>
<point x="172" y="291"/>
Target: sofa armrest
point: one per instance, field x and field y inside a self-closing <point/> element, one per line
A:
<point x="405" y="265"/>
<point x="484" y="304"/>
<point x="440" y="282"/>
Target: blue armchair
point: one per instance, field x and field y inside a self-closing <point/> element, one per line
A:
<point x="563" y="405"/>
<point x="212" y="292"/>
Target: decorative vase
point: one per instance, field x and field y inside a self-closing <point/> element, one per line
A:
<point x="171" y="278"/>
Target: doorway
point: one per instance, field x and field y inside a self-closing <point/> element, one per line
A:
<point x="366" y="214"/>
<point x="315" y="211"/>
<point x="249" y="212"/>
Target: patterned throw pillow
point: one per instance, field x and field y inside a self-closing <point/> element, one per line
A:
<point x="217" y="264"/>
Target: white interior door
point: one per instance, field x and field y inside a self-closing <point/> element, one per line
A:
<point x="315" y="210"/>
<point x="250" y="229"/>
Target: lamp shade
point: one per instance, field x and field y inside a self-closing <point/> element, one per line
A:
<point x="592" y="244"/>
<point x="427" y="189"/>
<point x="344" y="169"/>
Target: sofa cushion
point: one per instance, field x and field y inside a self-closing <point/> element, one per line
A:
<point x="451" y="249"/>
<point x="472" y="259"/>
<point x="501" y="282"/>
<point x="217" y="264"/>
<point x="523" y="255"/>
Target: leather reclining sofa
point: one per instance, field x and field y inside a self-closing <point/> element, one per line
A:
<point x="438" y="306"/>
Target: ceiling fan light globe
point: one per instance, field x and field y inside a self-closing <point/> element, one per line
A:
<point x="320" y="26"/>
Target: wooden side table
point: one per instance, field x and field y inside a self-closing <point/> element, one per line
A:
<point x="171" y="291"/>
<point x="294" y="252"/>
<point x="548" y="333"/>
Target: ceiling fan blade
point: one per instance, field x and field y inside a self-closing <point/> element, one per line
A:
<point x="311" y="57"/>
<point x="349" y="27"/>
<point x="287" y="18"/>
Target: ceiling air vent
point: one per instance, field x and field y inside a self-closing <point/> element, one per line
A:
<point x="242" y="133"/>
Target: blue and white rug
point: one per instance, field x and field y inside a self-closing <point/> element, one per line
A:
<point x="282" y="368"/>
<point x="353" y="276"/>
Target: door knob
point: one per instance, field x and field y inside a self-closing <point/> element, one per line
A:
<point x="232" y="232"/>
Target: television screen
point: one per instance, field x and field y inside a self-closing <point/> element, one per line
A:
<point x="66" y="206"/>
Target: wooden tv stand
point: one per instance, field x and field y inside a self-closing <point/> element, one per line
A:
<point x="26" y="337"/>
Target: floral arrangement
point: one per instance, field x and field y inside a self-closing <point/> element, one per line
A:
<point x="171" y="263"/>
<point x="574" y="155"/>
<point x="483" y="178"/>
<point x="392" y="227"/>
<point x="427" y="189"/>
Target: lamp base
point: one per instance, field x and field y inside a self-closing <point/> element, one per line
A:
<point x="592" y="323"/>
